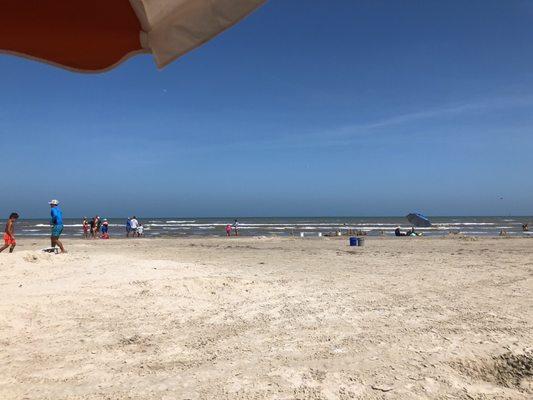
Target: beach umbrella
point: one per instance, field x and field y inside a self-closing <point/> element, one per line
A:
<point x="418" y="220"/>
<point x="97" y="35"/>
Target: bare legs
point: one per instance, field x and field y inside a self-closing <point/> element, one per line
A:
<point x="56" y="241"/>
<point x="6" y="246"/>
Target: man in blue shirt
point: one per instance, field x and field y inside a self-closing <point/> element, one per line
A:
<point x="57" y="224"/>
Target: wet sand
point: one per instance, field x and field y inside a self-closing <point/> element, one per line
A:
<point x="268" y="318"/>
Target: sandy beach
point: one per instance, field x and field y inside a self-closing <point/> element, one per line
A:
<point x="268" y="318"/>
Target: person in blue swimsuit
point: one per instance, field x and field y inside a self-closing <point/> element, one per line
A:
<point x="56" y="221"/>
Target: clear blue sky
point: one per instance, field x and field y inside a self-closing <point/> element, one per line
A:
<point x="306" y="108"/>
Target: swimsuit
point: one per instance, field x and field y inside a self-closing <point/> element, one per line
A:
<point x="8" y="239"/>
<point x="57" y="230"/>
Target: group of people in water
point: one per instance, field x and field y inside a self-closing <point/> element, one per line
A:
<point x="95" y="228"/>
<point x="234" y="227"/>
<point x="99" y="228"/>
<point x="134" y="227"/>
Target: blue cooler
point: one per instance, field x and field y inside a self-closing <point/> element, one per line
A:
<point x="354" y="241"/>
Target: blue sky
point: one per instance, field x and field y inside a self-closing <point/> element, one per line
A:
<point x="305" y="108"/>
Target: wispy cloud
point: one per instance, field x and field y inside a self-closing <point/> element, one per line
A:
<point x="434" y="113"/>
<point x="346" y="134"/>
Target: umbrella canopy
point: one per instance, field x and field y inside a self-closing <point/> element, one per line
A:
<point x="96" y="35"/>
<point x="418" y="220"/>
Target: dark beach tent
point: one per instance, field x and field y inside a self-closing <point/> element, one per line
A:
<point x="418" y="220"/>
<point x="97" y="35"/>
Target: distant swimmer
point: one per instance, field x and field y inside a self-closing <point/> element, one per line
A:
<point x="525" y="228"/>
<point x="9" y="233"/>
<point x="56" y="221"/>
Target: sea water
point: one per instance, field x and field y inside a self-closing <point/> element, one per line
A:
<point x="286" y="226"/>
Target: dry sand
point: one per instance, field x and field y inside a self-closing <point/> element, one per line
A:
<point x="404" y="318"/>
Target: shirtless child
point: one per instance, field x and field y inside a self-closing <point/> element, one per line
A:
<point x="9" y="233"/>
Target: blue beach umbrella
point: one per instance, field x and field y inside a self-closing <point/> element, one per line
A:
<point x="418" y="220"/>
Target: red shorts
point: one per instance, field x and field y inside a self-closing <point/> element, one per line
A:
<point x="8" y="240"/>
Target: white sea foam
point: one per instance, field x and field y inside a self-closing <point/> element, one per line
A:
<point x="467" y="223"/>
<point x="66" y="226"/>
<point x="286" y="226"/>
<point x="191" y="225"/>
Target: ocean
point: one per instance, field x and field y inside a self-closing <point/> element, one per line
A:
<point x="287" y="226"/>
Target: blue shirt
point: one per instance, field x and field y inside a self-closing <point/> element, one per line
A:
<point x="57" y="216"/>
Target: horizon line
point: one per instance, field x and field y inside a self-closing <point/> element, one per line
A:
<point x="298" y="216"/>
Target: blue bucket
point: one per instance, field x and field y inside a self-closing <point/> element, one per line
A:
<point x="354" y="241"/>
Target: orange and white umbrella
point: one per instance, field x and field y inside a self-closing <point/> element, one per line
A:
<point x="96" y="35"/>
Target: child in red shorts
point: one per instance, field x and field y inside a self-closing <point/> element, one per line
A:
<point x="9" y="234"/>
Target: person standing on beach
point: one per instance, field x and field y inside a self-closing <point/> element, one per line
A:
<point x="105" y="229"/>
<point x="134" y="224"/>
<point x="128" y="227"/>
<point x="95" y="227"/>
<point x="56" y="221"/>
<point x="228" y="230"/>
<point x="92" y="225"/>
<point x="85" y="228"/>
<point x="236" y="227"/>
<point x="9" y="234"/>
<point x="98" y="222"/>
